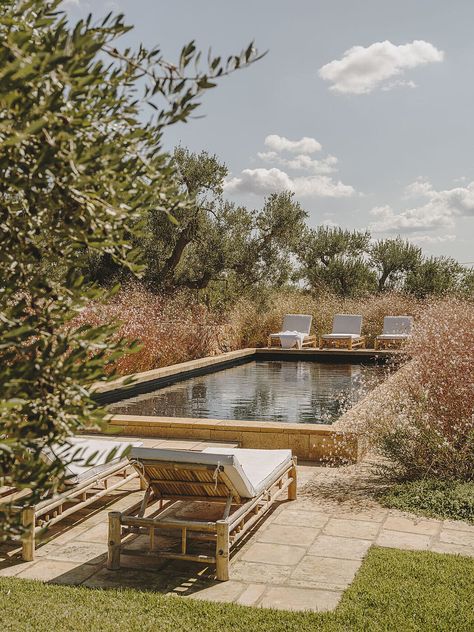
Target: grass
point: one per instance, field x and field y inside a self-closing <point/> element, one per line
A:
<point x="437" y="499"/>
<point x="394" y="590"/>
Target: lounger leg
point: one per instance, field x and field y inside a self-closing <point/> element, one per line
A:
<point x="292" y="487"/>
<point x="28" y="540"/>
<point x="222" y="551"/>
<point x="113" y="559"/>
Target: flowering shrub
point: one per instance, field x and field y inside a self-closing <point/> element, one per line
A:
<point x="168" y="329"/>
<point x="423" y="420"/>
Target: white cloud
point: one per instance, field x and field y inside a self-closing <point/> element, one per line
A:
<point x="330" y="224"/>
<point x="301" y="162"/>
<point x="265" y="181"/>
<point x="362" y="69"/>
<point x="400" y="83"/>
<point x="438" y="210"/>
<point x="305" y="145"/>
<point x="259" y="181"/>
<point x="432" y="239"/>
<point x="318" y="182"/>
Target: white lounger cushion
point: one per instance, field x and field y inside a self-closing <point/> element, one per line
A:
<point x="82" y="450"/>
<point x="248" y="470"/>
<point x="296" y="327"/>
<point x="353" y="336"/>
<point x="396" y="326"/>
<point x="347" y="324"/>
<point x="261" y="467"/>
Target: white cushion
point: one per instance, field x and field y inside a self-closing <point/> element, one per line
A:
<point x="393" y="336"/>
<point x="82" y="450"/>
<point x="397" y="325"/>
<point x="248" y="470"/>
<point x="262" y="467"/>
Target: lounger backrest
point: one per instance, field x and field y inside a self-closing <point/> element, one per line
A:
<point x="347" y="324"/>
<point x="397" y="324"/>
<point x="297" y="322"/>
<point x="183" y="473"/>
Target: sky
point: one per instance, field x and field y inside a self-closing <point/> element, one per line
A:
<point x="363" y="109"/>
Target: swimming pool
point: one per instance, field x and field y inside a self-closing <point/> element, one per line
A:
<point x="287" y="391"/>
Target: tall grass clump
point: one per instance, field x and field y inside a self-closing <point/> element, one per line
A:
<point x="422" y="422"/>
<point x="168" y="329"/>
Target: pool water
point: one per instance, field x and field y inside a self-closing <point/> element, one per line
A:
<point x="282" y="391"/>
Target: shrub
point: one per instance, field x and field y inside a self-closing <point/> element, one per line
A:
<point x="169" y="329"/>
<point x="434" y="498"/>
<point x="422" y="422"/>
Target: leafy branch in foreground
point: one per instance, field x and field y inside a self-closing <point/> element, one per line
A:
<point x="79" y="171"/>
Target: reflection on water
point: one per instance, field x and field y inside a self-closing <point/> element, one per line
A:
<point x="301" y="392"/>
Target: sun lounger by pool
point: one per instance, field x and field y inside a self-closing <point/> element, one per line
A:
<point x="86" y="483"/>
<point x="296" y="332"/>
<point x="396" y="329"/>
<point x="215" y="496"/>
<point x="346" y="333"/>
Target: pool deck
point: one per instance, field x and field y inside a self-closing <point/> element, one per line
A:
<point x="273" y="568"/>
<point x="316" y="442"/>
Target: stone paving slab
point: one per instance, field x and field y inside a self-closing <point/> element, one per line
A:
<point x="303" y="556"/>
<point x="339" y="548"/>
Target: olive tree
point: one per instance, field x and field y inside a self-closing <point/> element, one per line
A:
<point x="336" y="259"/>
<point x="80" y="166"/>
<point x="438" y="276"/>
<point x="393" y="259"/>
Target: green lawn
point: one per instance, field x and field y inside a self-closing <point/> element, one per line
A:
<point x="438" y="499"/>
<point x="395" y="591"/>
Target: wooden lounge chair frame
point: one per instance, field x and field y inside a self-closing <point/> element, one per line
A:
<point x="37" y="518"/>
<point x="175" y="482"/>
<point x="343" y="335"/>
<point x="342" y="343"/>
<point x="389" y="343"/>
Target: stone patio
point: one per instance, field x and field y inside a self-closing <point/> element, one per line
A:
<point x="303" y="556"/>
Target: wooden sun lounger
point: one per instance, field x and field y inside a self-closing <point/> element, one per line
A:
<point x="396" y="331"/>
<point x="346" y="333"/>
<point x="193" y="477"/>
<point x="36" y="518"/>
<point x="300" y="323"/>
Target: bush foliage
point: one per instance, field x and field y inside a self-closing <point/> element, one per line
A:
<point x="80" y="170"/>
<point x="422" y="421"/>
<point x="435" y="498"/>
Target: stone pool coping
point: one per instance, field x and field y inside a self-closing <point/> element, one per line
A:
<point x="310" y="442"/>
